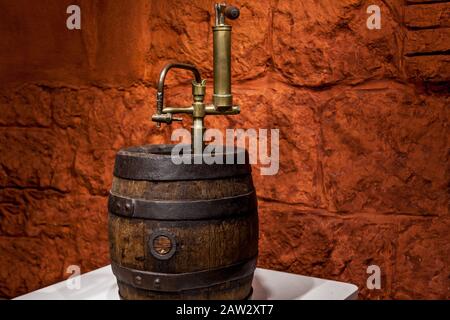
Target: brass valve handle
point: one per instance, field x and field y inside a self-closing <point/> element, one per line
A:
<point x="231" y="12"/>
<point x="225" y="11"/>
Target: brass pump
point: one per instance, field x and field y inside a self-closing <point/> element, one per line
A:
<point x="222" y="97"/>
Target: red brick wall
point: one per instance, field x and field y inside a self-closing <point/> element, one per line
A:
<point x="363" y="118"/>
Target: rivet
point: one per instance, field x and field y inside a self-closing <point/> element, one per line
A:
<point x="127" y="206"/>
<point x="157" y="283"/>
<point x="118" y="205"/>
<point x="138" y="279"/>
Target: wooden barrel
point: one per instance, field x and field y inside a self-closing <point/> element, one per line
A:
<point x="182" y="231"/>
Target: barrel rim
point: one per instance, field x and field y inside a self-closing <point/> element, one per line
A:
<point x="153" y="162"/>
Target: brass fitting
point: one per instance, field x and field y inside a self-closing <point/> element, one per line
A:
<point x="199" y="90"/>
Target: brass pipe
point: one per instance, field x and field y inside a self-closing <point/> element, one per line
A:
<point x="197" y="132"/>
<point x="162" y="79"/>
<point x="222" y="97"/>
<point x="187" y="110"/>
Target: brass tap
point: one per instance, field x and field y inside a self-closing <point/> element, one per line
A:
<point x="222" y="97"/>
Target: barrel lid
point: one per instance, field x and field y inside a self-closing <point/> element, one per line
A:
<point x="156" y="162"/>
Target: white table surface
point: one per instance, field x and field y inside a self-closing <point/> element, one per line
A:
<point x="101" y="284"/>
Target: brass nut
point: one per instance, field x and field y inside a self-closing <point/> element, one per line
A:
<point x="199" y="89"/>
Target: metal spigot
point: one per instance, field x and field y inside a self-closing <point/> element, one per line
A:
<point x="222" y="97"/>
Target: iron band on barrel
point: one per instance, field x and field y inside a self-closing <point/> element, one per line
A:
<point x="183" y="210"/>
<point x="167" y="282"/>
